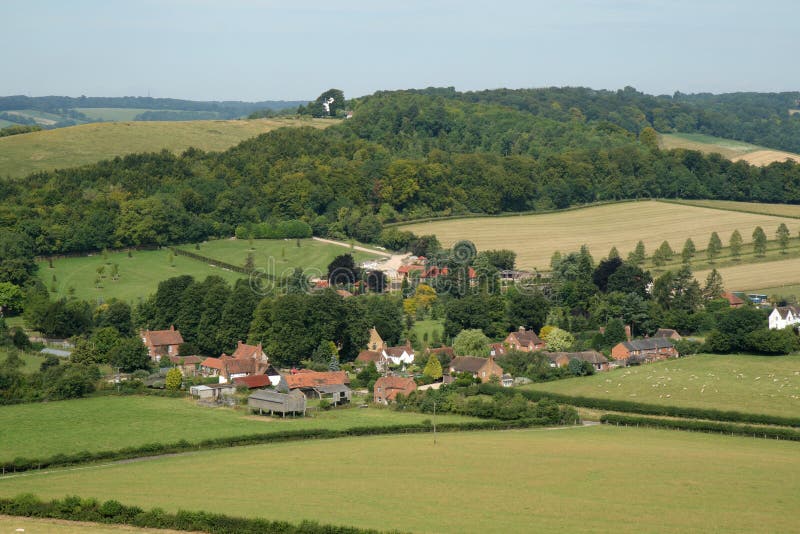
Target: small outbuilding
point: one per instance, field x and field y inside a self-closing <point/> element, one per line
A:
<point x="269" y="401"/>
<point x="336" y="394"/>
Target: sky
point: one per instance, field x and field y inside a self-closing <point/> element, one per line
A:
<point x="295" y="49"/>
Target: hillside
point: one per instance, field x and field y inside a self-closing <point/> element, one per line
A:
<point x="23" y="154"/>
<point x="535" y="237"/>
<point x="733" y="150"/>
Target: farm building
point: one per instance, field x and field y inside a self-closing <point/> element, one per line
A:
<point x="214" y="392"/>
<point x="266" y="400"/>
<point x="733" y="300"/>
<point x="336" y="394"/>
<point x="312" y="383"/>
<point x="644" y="350"/>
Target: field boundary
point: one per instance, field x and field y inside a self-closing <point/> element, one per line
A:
<point x="688" y="202"/>
<point x="20" y="464"/>
<point x="713" y="427"/>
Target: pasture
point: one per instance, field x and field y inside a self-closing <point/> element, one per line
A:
<point x="139" y="275"/>
<point x="106" y="423"/>
<point x="56" y="526"/>
<point x="31" y="361"/>
<point x="23" y="154"/>
<point x="744" y="383"/>
<point x="535" y="237"/>
<point x="728" y="148"/>
<point x="598" y="479"/>
<point x="278" y="256"/>
<point x="113" y="114"/>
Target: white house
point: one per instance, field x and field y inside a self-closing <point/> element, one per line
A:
<point x="403" y="355"/>
<point x="784" y="316"/>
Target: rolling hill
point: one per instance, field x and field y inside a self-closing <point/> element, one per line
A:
<point x="23" y="154"/>
<point x="729" y="148"/>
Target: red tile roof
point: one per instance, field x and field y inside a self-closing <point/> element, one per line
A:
<point x="213" y="363"/>
<point x="732" y="299"/>
<point x="243" y="350"/>
<point x="389" y="387"/>
<point x="369" y="356"/>
<point x="434" y="272"/>
<point x="159" y="338"/>
<point x="253" y="381"/>
<point x="311" y="379"/>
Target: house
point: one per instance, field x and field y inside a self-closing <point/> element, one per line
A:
<point x="523" y="340"/>
<point x="483" y="368"/>
<point x="668" y="333"/>
<point x="733" y="300"/>
<point x="644" y="350"/>
<point x="388" y="387"/>
<point x="557" y="359"/>
<point x="267" y="400"/>
<point x="402" y="355"/>
<point x="189" y="365"/>
<point x="497" y="349"/>
<point x="435" y="272"/>
<point x="162" y="342"/>
<point x="336" y="394"/>
<point x="252" y="352"/>
<point x="783" y="316"/>
<point x="562" y="359"/>
<point x="366" y="356"/>
<point x="246" y="360"/>
<point x="375" y="342"/>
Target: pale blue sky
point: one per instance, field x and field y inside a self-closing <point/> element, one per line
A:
<point x="266" y="50"/>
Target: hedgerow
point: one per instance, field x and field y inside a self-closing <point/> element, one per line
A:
<point x="702" y="426"/>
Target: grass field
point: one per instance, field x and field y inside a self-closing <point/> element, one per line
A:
<point x="23" y="154"/>
<point x="583" y="479"/>
<point x="56" y="526"/>
<point x="32" y="360"/>
<point x="729" y="148"/>
<point x="278" y="256"/>
<point x="102" y="423"/>
<point x="139" y="275"/>
<point x="781" y="210"/>
<point x="755" y="276"/>
<point x="428" y="326"/>
<point x="752" y="384"/>
<point x="113" y="114"/>
<point x="535" y="237"/>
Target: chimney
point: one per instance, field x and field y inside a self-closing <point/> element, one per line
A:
<point x="172" y="327"/>
<point x="239" y="343"/>
<point x="521" y="329"/>
<point x="628" y="331"/>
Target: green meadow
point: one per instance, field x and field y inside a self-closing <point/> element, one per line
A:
<point x="579" y="479"/>
<point x="744" y="383"/>
<point x="107" y="423"/>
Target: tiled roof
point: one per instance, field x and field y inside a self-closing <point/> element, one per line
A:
<point x="243" y="350"/>
<point x="253" y="381"/>
<point x="732" y="299"/>
<point x="310" y="379"/>
<point x="665" y="332"/>
<point x="469" y="364"/>
<point x="389" y="386"/>
<point x="590" y="356"/>
<point x="528" y="337"/>
<point x="159" y="338"/>
<point x="369" y="356"/>
<point x="213" y="363"/>
<point x="651" y="343"/>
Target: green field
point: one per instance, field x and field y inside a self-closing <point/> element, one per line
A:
<point x="23" y="154"/>
<point x="278" y="256"/>
<point x="744" y="383"/>
<point x="56" y="526"/>
<point x="600" y="227"/>
<point x="104" y="423"/>
<point x="728" y="148"/>
<point x="113" y="114"/>
<point x="32" y="360"/>
<point x="584" y="479"/>
<point x="139" y="275"/>
<point x="428" y="326"/>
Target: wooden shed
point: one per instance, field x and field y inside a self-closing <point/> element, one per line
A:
<point x="267" y="400"/>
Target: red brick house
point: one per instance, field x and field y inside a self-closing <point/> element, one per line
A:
<point x="388" y="387"/>
<point x="483" y="368"/>
<point x="366" y="356"/>
<point x="644" y="350"/>
<point x="523" y="340"/>
<point x="162" y="342"/>
<point x="246" y="360"/>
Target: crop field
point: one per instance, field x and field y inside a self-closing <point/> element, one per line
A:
<point x="535" y="237"/>
<point x="278" y="256"/>
<point x="744" y="383"/>
<point x="781" y="210"/>
<point x="102" y="423"/>
<point x="113" y="114"/>
<point x="139" y="275"/>
<point x="753" y="276"/>
<point x="23" y="154"/>
<point x="613" y="479"/>
<point x="729" y="148"/>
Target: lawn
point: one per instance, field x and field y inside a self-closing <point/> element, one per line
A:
<point x="56" y="526"/>
<point x="582" y="479"/>
<point x="535" y="237"/>
<point x="32" y="360"/>
<point x="278" y="256"/>
<point x="104" y="423"/>
<point x="428" y="326"/>
<point x="139" y="275"/>
<point x="752" y="384"/>
<point x="23" y="154"/>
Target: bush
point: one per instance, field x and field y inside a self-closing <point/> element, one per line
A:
<point x="702" y="426"/>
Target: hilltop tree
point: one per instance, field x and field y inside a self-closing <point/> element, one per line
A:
<point x="638" y="255"/>
<point x="714" y="247"/>
<point x="714" y="286"/>
<point x="736" y="244"/>
<point x="688" y="251"/>
<point x="782" y="234"/>
<point x="759" y="241"/>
